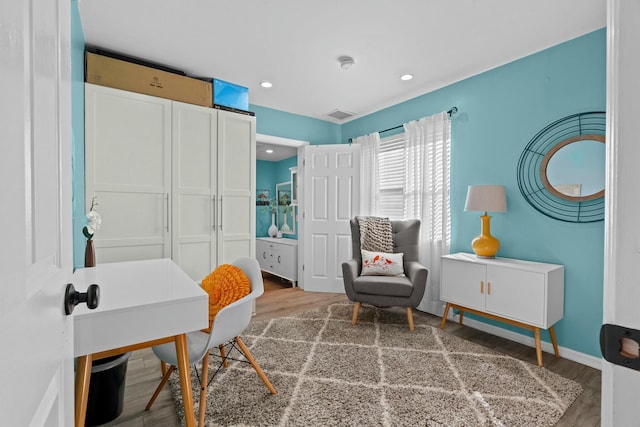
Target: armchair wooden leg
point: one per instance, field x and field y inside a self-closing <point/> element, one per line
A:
<point x="410" y="318"/>
<point x="356" y="309"/>
<point x="204" y="380"/>
<point x="165" y="378"/>
<point x="255" y="365"/>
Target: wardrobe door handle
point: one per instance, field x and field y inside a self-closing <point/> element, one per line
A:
<point x="214" y="211"/>
<point x="221" y="213"/>
<point x="166" y="202"/>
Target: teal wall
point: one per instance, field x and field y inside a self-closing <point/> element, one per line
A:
<point x="77" y="134"/>
<point x="285" y="125"/>
<point x="294" y="126"/>
<point x="499" y="112"/>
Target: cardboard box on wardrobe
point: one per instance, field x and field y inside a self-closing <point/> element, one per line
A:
<point x="106" y="71"/>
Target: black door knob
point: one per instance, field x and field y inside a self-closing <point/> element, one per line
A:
<point x="73" y="297"/>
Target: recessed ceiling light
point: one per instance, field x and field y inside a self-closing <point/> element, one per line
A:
<point x="269" y="151"/>
<point x="406" y="77"/>
<point x="266" y="84"/>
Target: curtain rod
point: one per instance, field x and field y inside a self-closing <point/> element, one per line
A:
<point x="450" y="112"/>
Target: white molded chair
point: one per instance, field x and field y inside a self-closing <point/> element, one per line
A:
<point x="227" y="325"/>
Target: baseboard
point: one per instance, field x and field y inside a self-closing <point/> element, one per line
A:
<point x="567" y="353"/>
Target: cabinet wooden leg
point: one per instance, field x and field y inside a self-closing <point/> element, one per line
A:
<point x="461" y="313"/>
<point x="552" y="333"/>
<point x="536" y="333"/>
<point x="444" y="316"/>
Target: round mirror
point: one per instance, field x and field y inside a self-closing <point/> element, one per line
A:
<point x="561" y="171"/>
<point x="574" y="169"/>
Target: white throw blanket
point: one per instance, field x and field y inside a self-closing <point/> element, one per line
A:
<point x="375" y="234"/>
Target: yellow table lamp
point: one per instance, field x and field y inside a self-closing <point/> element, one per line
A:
<point x="486" y="198"/>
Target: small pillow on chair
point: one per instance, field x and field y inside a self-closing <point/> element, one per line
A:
<point x="381" y="264"/>
<point x="226" y="284"/>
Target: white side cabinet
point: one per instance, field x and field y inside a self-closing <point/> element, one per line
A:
<point x="279" y="257"/>
<point x="526" y="294"/>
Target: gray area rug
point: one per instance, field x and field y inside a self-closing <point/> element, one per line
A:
<point x="377" y="373"/>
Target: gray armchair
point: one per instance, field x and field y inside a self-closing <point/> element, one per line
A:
<point x="388" y="291"/>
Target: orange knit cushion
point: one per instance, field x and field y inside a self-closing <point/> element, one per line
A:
<point x="226" y="284"/>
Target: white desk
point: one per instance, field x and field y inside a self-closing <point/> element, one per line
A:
<point x="142" y="303"/>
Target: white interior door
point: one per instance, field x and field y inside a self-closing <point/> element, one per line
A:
<point x="35" y="188"/>
<point x="331" y="199"/>
<point x="622" y="233"/>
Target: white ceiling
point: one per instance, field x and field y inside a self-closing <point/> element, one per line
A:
<point x="295" y="44"/>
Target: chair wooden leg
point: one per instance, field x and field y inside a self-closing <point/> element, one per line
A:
<point x="410" y="318"/>
<point x="165" y="378"/>
<point x="255" y="365"/>
<point x="163" y="367"/>
<point x="356" y="309"/>
<point x="204" y="380"/>
<point x="224" y="358"/>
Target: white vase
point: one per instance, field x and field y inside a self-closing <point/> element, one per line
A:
<point x="273" y="230"/>
<point x="285" y="227"/>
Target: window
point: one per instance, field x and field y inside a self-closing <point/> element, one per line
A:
<point x="391" y="177"/>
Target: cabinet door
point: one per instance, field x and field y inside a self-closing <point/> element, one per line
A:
<point x="128" y="168"/>
<point x="287" y="261"/>
<point x="236" y="186"/>
<point x="262" y="254"/>
<point x="463" y="283"/>
<point x="194" y="161"/>
<point x="516" y="294"/>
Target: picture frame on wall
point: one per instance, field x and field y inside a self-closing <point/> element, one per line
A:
<point x="262" y="197"/>
<point x="284" y="197"/>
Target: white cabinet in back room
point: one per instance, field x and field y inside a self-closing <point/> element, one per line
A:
<point x="173" y="180"/>
<point x="278" y="256"/>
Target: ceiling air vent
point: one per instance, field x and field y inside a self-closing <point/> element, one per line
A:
<point x="340" y="115"/>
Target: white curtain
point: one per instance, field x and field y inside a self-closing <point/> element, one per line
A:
<point x="368" y="172"/>
<point x="427" y="151"/>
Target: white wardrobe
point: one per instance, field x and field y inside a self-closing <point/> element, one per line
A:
<point x="172" y="180"/>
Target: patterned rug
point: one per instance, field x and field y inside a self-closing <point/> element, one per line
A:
<point x="377" y="373"/>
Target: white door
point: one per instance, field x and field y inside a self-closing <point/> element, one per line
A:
<point x="236" y="186"/>
<point x="128" y="168"/>
<point x="193" y="189"/>
<point x="36" y="379"/>
<point x="331" y="199"/>
<point x="622" y="233"/>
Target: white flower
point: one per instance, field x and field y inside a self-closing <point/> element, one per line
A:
<point x="94" y="222"/>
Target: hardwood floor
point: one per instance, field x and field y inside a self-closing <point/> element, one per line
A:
<point x="280" y="299"/>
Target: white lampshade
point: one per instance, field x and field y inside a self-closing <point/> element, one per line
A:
<point x="487" y="198"/>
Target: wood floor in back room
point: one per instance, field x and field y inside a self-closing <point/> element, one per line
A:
<point x="281" y="299"/>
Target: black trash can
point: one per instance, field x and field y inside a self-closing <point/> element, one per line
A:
<point x="106" y="389"/>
